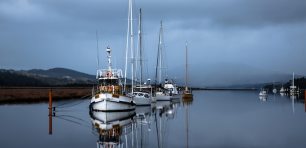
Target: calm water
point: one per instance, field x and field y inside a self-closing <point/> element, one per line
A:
<point x="214" y="119"/>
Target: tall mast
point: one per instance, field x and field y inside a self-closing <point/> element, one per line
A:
<point x="140" y="47"/>
<point x="186" y="73"/>
<point x="158" y="60"/>
<point x="132" y="42"/>
<point x="160" y="48"/>
<point x="127" y="48"/>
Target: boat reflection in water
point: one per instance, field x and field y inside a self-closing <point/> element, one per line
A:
<point x="263" y="98"/>
<point x="134" y="128"/>
<point x="186" y="103"/>
<point x="163" y="111"/>
<point x="113" y="127"/>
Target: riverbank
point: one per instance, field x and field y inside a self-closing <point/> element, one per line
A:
<point x="10" y="95"/>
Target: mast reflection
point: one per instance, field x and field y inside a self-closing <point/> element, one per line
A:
<point x="186" y="103"/>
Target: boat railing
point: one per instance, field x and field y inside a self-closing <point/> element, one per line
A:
<point x="113" y="73"/>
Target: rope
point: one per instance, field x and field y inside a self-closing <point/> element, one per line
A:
<point x="79" y="122"/>
<point x="67" y="104"/>
<point x="75" y="120"/>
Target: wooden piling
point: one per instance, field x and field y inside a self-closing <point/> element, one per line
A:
<point x="50" y="111"/>
<point x="50" y="123"/>
<point x="305" y="100"/>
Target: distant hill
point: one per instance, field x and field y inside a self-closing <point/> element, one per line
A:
<point x="61" y="73"/>
<point x="50" y="77"/>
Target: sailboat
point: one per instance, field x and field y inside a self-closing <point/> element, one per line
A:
<point x="263" y="92"/>
<point x="167" y="90"/>
<point x="293" y="89"/>
<point x="187" y="94"/>
<point x="108" y="94"/>
<point x="142" y="93"/>
<point x="282" y="90"/>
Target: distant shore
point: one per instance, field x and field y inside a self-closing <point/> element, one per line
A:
<point x="11" y="95"/>
<point x="231" y="89"/>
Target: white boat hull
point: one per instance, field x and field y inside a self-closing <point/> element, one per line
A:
<point x="108" y="103"/>
<point x="142" y="101"/>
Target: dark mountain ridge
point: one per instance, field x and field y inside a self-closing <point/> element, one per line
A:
<point x="50" y="77"/>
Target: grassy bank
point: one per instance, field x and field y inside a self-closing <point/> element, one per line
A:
<point x="10" y="95"/>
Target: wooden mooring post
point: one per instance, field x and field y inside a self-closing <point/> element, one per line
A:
<point x="50" y="111"/>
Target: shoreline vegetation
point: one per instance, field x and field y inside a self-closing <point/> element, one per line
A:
<point x="28" y="94"/>
<point x="14" y="95"/>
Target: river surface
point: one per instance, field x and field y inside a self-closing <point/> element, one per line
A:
<point x="230" y="119"/>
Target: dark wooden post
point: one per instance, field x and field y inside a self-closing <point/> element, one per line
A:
<point x="50" y="111"/>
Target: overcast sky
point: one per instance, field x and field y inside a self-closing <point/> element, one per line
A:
<point x="262" y="34"/>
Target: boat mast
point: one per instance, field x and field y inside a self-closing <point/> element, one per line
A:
<point x="186" y="66"/>
<point x="140" y="47"/>
<point x="157" y="70"/>
<point x="132" y="42"/>
<point x="159" y="53"/>
<point x="127" y="48"/>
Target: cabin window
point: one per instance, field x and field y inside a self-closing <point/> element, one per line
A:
<point x="106" y="82"/>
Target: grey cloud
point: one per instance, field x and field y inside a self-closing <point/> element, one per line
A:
<point x="262" y="32"/>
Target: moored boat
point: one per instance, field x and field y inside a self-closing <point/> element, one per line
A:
<point x="282" y="90"/>
<point x="263" y="92"/>
<point x="171" y="89"/>
<point x="108" y="95"/>
<point x="142" y="97"/>
<point x="187" y="94"/>
<point x="167" y="90"/>
<point x="294" y="91"/>
<point x="142" y="92"/>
